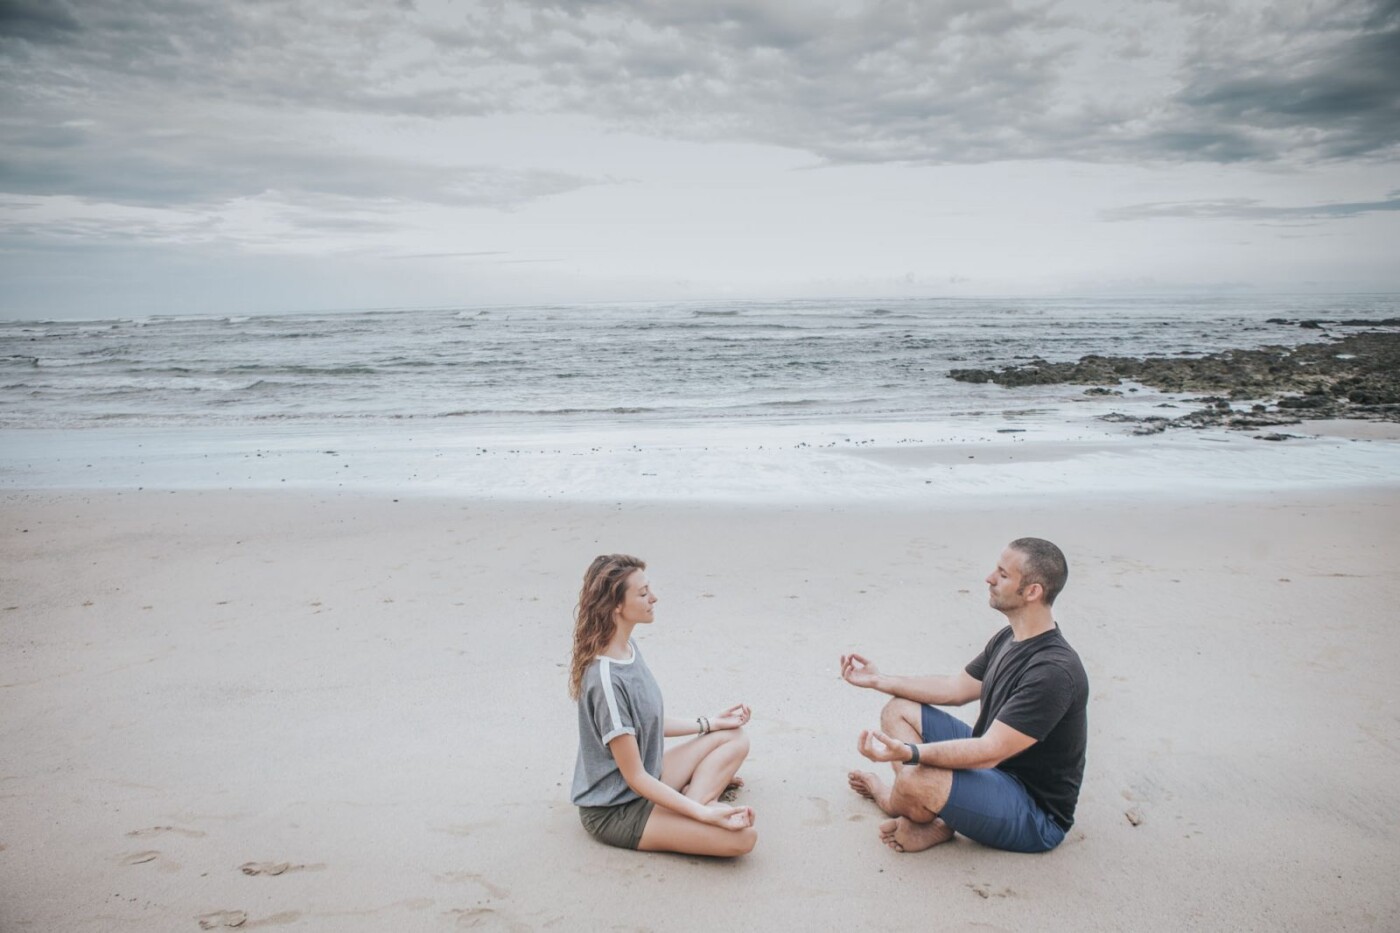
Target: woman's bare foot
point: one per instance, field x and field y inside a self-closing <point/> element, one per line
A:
<point x="872" y="788"/>
<point x="732" y="791"/>
<point x="904" y="835"/>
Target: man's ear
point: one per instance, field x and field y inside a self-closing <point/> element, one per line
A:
<point x="1035" y="592"/>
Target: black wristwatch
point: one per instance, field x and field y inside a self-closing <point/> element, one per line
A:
<point x="913" y="754"/>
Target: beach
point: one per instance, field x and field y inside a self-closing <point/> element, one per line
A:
<point x="332" y="709"/>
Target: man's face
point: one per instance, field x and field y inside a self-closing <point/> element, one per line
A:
<point x="1004" y="582"/>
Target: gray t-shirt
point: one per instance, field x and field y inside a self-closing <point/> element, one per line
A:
<point x="616" y="697"/>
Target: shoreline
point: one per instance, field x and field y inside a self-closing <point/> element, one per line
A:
<point x="199" y="681"/>
<point x="809" y="464"/>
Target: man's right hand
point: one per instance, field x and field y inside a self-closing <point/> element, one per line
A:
<point x="859" y="671"/>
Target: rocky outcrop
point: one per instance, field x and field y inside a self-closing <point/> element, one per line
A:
<point x="1355" y="376"/>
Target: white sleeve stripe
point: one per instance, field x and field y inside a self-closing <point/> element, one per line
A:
<point x="605" y="676"/>
<point x="607" y="739"/>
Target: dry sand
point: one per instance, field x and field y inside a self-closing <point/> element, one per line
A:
<point x="349" y="713"/>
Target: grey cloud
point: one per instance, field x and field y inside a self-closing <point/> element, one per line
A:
<point x="92" y="91"/>
<point x="952" y="82"/>
<point x="36" y="20"/>
<point x="135" y="163"/>
<point x="1249" y="209"/>
<point x="1338" y="98"/>
<point x="472" y="254"/>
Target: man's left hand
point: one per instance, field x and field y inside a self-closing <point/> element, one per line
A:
<point x="877" y="746"/>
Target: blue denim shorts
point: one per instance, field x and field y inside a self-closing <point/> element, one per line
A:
<point x="988" y="804"/>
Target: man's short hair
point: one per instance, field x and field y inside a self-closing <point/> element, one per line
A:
<point x="1044" y="564"/>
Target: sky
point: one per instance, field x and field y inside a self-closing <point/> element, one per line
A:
<point x="194" y="156"/>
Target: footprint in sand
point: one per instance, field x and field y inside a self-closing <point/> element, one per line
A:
<point x="486" y="918"/>
<point x="465" y="877"/>
<point x="238" y="920"/>
<point x="149" y="856"/>
<point x="275" y="868"/>
<point x="222" y="918"/>
<point x="139" y="858"/>
<point x="158" y="830"/>
<point x="823" y="816"/>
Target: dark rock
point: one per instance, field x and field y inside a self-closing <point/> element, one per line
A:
<point x="1356" y="376"/>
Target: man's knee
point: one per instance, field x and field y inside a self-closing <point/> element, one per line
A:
<point x="899" y="710"/>
<point x="920" y="793"/>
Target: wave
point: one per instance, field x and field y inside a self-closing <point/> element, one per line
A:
<point x="545" y="412"/>
<point x="354" y="369"/>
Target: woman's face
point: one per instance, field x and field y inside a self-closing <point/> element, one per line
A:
<point x="637" y="605"/>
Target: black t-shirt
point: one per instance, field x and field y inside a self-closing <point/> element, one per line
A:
<point x="1038" y="687"/>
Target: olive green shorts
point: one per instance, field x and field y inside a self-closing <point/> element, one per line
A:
<point x="619" y="826"/>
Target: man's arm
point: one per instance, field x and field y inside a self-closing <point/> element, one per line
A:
<point x="999" y="743"/>
<point x="950" y="690"/>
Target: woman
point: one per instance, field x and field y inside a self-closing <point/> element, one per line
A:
<point x="629" y="791"/>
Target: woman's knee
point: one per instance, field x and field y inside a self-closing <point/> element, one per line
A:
<point x="741" y="842"/>
<point x="736" y="741"/>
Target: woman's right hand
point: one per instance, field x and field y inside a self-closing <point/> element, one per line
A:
<point x="734" y="818"/>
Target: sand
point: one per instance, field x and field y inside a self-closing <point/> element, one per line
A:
<point x="342" y="712"/>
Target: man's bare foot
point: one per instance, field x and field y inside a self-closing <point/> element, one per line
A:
<point x="905" y="835"/>
<point x="732" y="791"/>
<point x="872" y="788"/>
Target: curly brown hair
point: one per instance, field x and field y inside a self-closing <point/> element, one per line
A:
<point x="604" y="587"/>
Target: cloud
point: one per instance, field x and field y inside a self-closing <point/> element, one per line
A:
<point x="1323" y="86"/>
<point x="202" y="161"/>
<point x="962" y="81"/>
<point x="469" y="254"/>
<point x="36" y="20"/>
<point x="1249" y="209"/>
<point x="164" y="104"/>
<point x="959" y="82"/>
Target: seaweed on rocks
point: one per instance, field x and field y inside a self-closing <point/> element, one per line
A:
<point x="1356" y="376"/>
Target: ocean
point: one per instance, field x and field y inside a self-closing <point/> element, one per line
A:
<point x="797" y="399"/>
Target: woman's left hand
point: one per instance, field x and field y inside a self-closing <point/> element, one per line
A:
<point x="732" y="718"/>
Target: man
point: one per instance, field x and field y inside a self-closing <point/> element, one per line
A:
<point x="1012" y="780"/>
